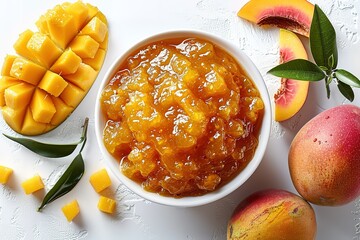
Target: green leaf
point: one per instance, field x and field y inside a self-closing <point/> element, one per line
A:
<point x="44" y="149"/>
<point x="298" y="69"/>
<point x="346" y="91"/>
<point x="323" y="40"/>
<point x="66" y="182"/>
<point x="347" y="78"/>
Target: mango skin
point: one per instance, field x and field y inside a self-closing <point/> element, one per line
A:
<point x="272" y="214"/>
<point x="324" y="157"/>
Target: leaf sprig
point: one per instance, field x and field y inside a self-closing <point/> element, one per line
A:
<point x="324" y="50"/>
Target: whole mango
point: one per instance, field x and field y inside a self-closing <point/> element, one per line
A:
<point x="324" y="157"/>
<point x="272" y="214"/>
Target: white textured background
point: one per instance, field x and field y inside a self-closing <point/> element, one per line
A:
<point x="131" y="21"/>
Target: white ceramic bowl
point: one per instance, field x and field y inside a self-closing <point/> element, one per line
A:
<point x="264" y="133"/>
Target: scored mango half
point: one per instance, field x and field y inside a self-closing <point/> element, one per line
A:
<point x="54" y="69"/>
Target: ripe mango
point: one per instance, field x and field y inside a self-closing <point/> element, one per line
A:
<point x="55" y="67"/>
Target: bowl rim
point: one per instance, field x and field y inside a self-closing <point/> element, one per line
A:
<point x="251" y="71"/>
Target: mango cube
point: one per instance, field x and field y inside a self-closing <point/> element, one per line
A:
<point x="67" y="63"/>
<point x="8" y="62"/>
<point x="62" y="111"/>
<point x="41" y="24"/>
<point x="19" y="95"/>
<point x="100" y="180"/>
<point x="106" y="205"/>
<point x="61" y="25"/>
<point x="14" y="117"/>
<point x="53" y="83"/>
<point x="42" y="107"/>
<point x="72" y="95"/>
<point x="30" y="126"/>
<point x="5" y="174"/>
<point x="6" y="82"/>
<point x="20" y="45"/>
<point x="83" y="77"/>
<point x="97" y="61"/>
<point x="44" y="49"/>
<point x="79" y="11"/>
<point x="27" y="71"/>
<point x="96" y="29"/>
<point x="84" y="46"/>
<point x="32" y="185"/>
<point x="71" y="210"/>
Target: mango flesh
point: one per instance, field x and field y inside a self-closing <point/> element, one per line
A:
<point x="292" y="93"/>
<point x="56" y="68"/>
<point x="293" y="15"/>
<point x="272" y="214"/>
<point x="324" y="157"/>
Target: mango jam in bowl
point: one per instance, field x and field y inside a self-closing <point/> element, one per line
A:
<point x="183" y="118"/>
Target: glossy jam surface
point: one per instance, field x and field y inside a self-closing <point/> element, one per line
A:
<point x="182" y="117"/>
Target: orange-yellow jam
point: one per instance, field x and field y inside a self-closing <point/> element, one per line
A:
<point x="182" y="117"/>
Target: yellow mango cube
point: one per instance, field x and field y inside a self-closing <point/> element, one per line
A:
<point x="5" y="174"/>
<point x="84" y="77"/>
<point x="100" y="180"/>
<point x="62" y="111"/>
<point x="19" y="95"/>
<point x="30" y="126"/>
<point x="96" y="29"/>
<point x="42" y="107"/>
<point x="71" y="210"/>
<point x="104" y="43"/>
<point x="33" y="184"/>
<point x="67" y="63"/>
<point x="13" y="117"/>
<point x="61" y="25"/>
<point x="106" y="205"/>
<point x="97" y="61"/>
<point x="41" y="24"/>
<point x="84" y="46"/>
<point x="72" y="95"/>
<point x="27" y="71"/>
<point x="44" y="49"/>
<point x="8" y="62"/>
<point x="53" y="83"/>
<point x="6" y="82"/>
<point x="20" y="45"/>
<point x="79" y="11"/>
<point x="92" y="10"/>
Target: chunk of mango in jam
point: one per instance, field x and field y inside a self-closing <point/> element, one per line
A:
<point x="179" y="119"/>
<point x="56" y="67"/>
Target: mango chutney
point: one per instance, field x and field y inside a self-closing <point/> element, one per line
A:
<point x="182" y="117"/>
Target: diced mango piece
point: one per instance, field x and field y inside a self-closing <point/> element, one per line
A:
<point x="104" y="44"/>
<point x="53" y="83"/>
<point x="30" y="126"/>
<point x="100" y="180"/>
<point x="97" y="61"/>
<point x="42" y="107"/>
<point x="71" y="210"/>
<point x="44" y="49"/>
<point x="27" y="71"/>
<point x="14" y="117"/>
<point x="62" y="111"/>
<point x="106" y="205"/>
<point x="6" y="82"/>
<point x="84" y="77"/>
<point x="8" y="62"/>
<point x="20" y="45"/>
<point x="96" y="29"/>
<point x="92" y="10"/>
<point x="84" y="46"/>
<point x="41" y="24"/>
<point x="33" y="184"/>
<point x="19" y="95"/>
<point x="72" y="95"/>
<point x="67" y="63"/>
<point x="5" y="174"/>
<point x="79" y="11"/>
<point x="61" y="25"/>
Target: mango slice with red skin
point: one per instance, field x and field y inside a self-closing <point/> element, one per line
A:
<point x="293" y="15"/>
<point x="54" y="71"/>
<point x="292" y="94"/>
